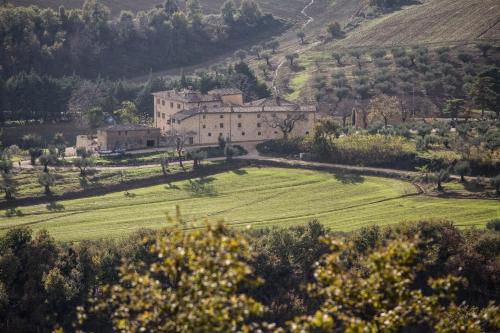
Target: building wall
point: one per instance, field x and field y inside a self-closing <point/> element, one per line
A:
<point x="239" y="127"/>
<point x="129" y="140"/>
<point x="165" y="109"/>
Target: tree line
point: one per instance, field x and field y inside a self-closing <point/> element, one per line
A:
<point x="33" y="97"/>
<point x="427" y="277"/>
<point x="88" y="42"/>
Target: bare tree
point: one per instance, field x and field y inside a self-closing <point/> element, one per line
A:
<point x="179" y="141"/>
<point x="385" y="107"/>
<point x="285" y="123"/>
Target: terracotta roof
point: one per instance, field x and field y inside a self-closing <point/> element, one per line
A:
<point x="270" y="101"/>
<point x="185" y="114"/>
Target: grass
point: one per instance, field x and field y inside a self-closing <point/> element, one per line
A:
<point x="253" y="196"/>
<point x="297" y="84"/>
<point x="69" y="181"/>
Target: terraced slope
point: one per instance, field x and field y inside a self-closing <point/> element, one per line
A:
<point x="254" y="196"/>
<point x="434" y="21"/>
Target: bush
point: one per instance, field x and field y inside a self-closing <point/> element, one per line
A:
<point x="281" y="146"/>
<point x="494" y="225"/>
<point x="372" y="150"/>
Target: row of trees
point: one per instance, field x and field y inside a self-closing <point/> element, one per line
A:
<point x="28" y="97"/>
<point x="388" y="279"/>
<point x="89" y="42"/>
<point x="421" y="80"/>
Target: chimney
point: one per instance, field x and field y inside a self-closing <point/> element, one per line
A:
<point x="278" y="100"/>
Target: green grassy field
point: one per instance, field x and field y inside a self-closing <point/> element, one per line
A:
<point x="69" y="181"/>
<point x="253" y="196"/>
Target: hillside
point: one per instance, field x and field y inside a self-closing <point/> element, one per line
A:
<point x="433" y="24"/>
<point x="434" y="21"/>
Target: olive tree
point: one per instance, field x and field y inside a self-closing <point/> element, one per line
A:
<point x="285" y="123"/>
<point x="83" y="161"/>
<point x="495" y="181"/>
<point x="46" y="180"/>
<point x="462" y="168"/>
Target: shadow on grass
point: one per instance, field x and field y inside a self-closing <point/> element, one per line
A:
<point x="171" y="186"/>
<point x="13" y="211"/>
<point x="53" y="206"/>
<point x="474" y="187"/>
<point x="201" y="187"/>
<point x="349" y="178"/>
<point x="240" y="172"/>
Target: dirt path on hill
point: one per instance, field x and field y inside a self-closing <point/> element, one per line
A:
<point x="282" y="61"/>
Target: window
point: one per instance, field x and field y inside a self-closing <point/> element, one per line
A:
<point x="220" y="134"/>
<point x="259" y="133"/>
<point x="221" y="125"/>
<point x="221" y="116"/>
<point x="258" y="115"/>
<point x="148" y="132"/>
<point x="178" y="106"/>
<point x="119" y="133"/>
<point x="162" y="116"/>
<point x="157" y="114"/>
<point x="169" y="122"/>
<point x="163" y="103"/>
<point x="126" y="133"/>
<point x="157" y="101"/>
<point x="239" y="125"/>
<point x="204" y="117"/>
<point x="209" y="134"/>
<point x="258" y="124"/>
<point x="239" y="116"/>
<point x="243" y="133"/>
<point x="204" y="126"/>
<point x="171" y="105"/>
<point x="178" y="121"/>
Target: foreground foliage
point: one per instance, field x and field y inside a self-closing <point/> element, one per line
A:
<point x="191" y="285"/>
<point x="427" y="277"/>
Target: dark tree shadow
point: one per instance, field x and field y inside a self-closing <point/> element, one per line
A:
<point x="201" y="187"/>
<point x="130" y="195"/>
<point x="240" y="172"/>
<point x="54" y="206"/>
<point x="171" y="186"/>
<point x="349" y="178"/>
<point x="474" y="187"/>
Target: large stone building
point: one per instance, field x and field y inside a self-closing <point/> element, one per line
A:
<point x="202" y="118"/>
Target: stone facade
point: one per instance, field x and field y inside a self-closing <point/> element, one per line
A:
<point x="128" y="137"/>
<point x="203" y="118"/>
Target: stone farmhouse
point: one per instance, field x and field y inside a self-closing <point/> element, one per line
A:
<point x="127" y="137"/>
<point x="202" y="118"/>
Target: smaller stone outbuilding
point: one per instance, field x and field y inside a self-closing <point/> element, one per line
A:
<point x="128" y="137"/>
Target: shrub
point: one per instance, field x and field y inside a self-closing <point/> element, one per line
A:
<point x="373" y="150"/>
<point x="493" y="225"/>
<point x="281" y="146"/>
